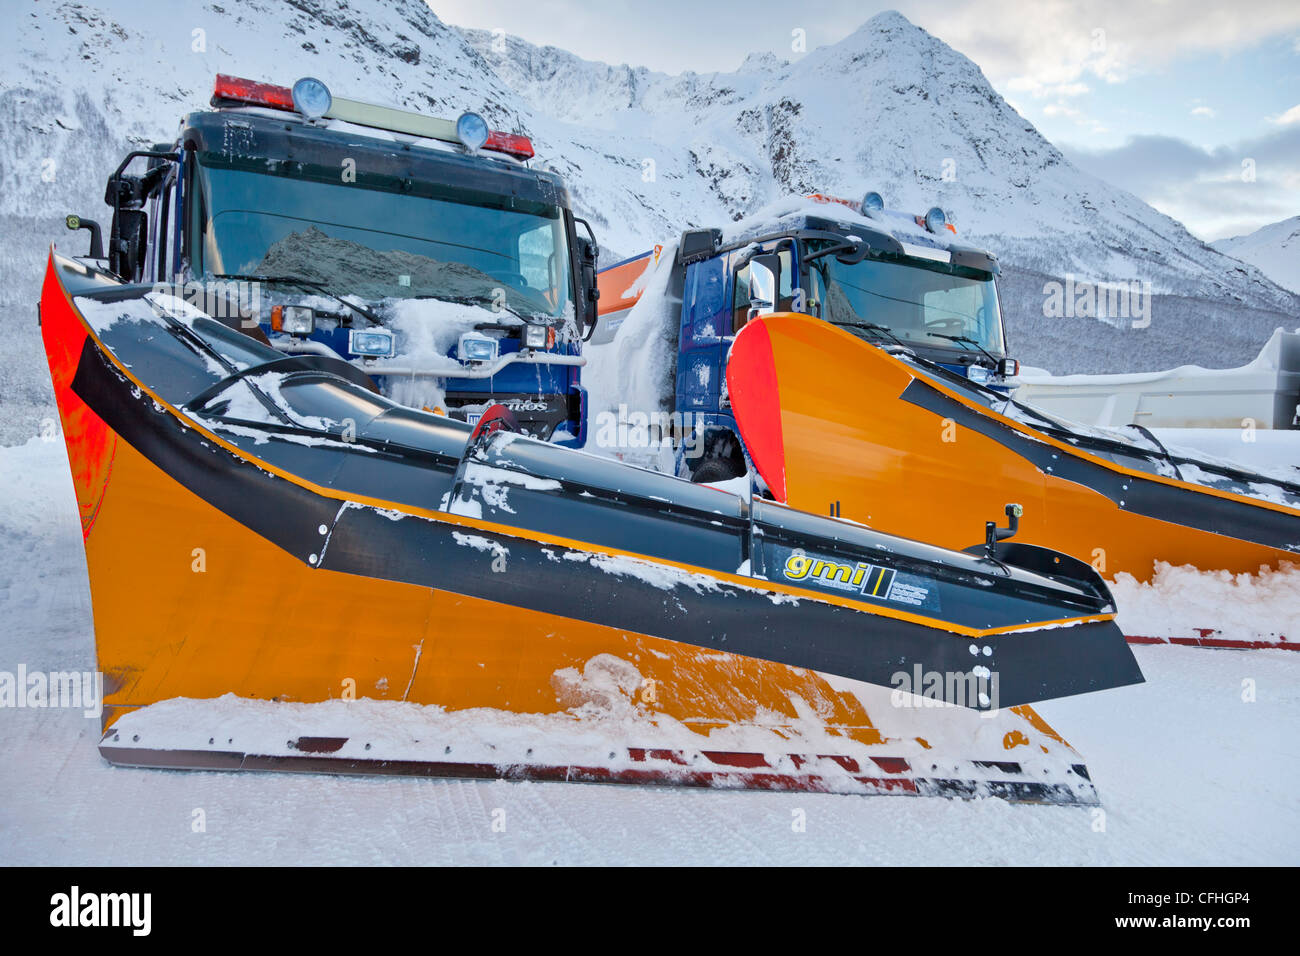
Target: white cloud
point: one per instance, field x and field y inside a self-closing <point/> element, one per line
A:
<point x="1206" y="189"/>
<point x="1060" y="109"/>
<point x="1203" y="111"/>
<point x="1035" y="45"/>
<point x="1041" y="91"/>
<point x="1288" y="118"/>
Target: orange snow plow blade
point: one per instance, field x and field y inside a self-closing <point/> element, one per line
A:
<point x="256" y="609"/>
<point x="836" y="425"/>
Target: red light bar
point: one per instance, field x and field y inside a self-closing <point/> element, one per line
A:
<point x="520" y="147"/>
<point x="920" y="221"/>
<point x="233" y="89"/>
<point x="822" y="197"/>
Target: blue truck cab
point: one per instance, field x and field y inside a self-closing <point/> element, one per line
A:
<point x="425" y="253"/>
<point x="900" y="282"/>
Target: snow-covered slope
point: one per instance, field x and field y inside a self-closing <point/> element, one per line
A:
<point x="889" y="107"/>
<point x="1273" y="249"/>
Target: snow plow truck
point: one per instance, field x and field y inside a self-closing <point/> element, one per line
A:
<point x="341" y="582"/>
<point x="424" y="252"/>
<point x="854" y="359"/>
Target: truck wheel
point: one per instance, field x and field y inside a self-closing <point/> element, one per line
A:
<point x="712" y="470"/>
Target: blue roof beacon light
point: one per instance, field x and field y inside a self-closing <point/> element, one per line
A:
<point x="312" y="98"/>
<point x="472" y="130"/>
<point x="935" y="220"/>
<point x="872" y="202"/>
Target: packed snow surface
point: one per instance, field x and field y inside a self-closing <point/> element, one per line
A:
<point x="1167" y="758"/>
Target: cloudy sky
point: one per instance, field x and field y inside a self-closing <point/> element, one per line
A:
<point x="1194" y="105"/>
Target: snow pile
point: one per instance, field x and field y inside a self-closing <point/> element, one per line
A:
<point x="1181" y="600"/>
<point x="638" y="367"/>
<point x="425" y="331"/>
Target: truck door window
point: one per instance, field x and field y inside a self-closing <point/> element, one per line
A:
<point x="740" y="294"/>
<point x="149" y="255"/>
<point x="165" y="215"/>
<point x="537" y="268"/>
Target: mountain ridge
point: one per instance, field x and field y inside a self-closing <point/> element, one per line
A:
<point x="645" y="154"/>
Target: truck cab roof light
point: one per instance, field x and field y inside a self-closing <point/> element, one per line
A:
<point x="934" y="220"/>
<point x="311" y="97"/>
<point x="472" y="130"/>
<point x="237" y="91"/>
<point x="520" y="147"/>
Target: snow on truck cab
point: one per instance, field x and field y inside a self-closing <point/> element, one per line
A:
<point x="423" y="252"/>
<point x="898" y="281"/>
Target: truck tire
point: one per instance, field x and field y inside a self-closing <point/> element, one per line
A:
<point x="713" y="470"/>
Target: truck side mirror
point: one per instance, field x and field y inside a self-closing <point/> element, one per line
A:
<point x="75" y="222"/>
<point x="588" y="256"/>
<point x="128" y="239"/>
<point x="764" y="281"/>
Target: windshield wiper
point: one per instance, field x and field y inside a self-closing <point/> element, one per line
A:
<point x="311" y="284"/>
<point x="965" y="340"/>
<point x="873" y="327"/>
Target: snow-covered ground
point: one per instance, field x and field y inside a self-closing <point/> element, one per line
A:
<point x="1197" y="766"/>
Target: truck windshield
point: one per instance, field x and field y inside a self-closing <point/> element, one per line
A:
<point x="378" y="244"/>
<point x="917" y="301"/>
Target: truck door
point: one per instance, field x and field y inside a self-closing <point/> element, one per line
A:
<point x="705" y="336"/>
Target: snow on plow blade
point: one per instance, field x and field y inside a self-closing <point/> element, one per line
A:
<point x="267" y="539"/>
<point x="836" y="424"/>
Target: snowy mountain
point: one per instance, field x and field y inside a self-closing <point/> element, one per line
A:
<point x="1273" y="249"/>
<point x="646" y="154"/>
<point x="895" y="109"/>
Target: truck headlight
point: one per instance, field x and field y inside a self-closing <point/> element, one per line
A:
<point x="535" y="336"/>
<point x="477" y="348"/>
<point x="977" y="373"/>
<point x="377" y="342"/>
<point x="293" y="319"/>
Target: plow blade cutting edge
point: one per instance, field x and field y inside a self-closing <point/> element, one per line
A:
<point x="836" y="424"/>
<point x="267" y="539"/>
